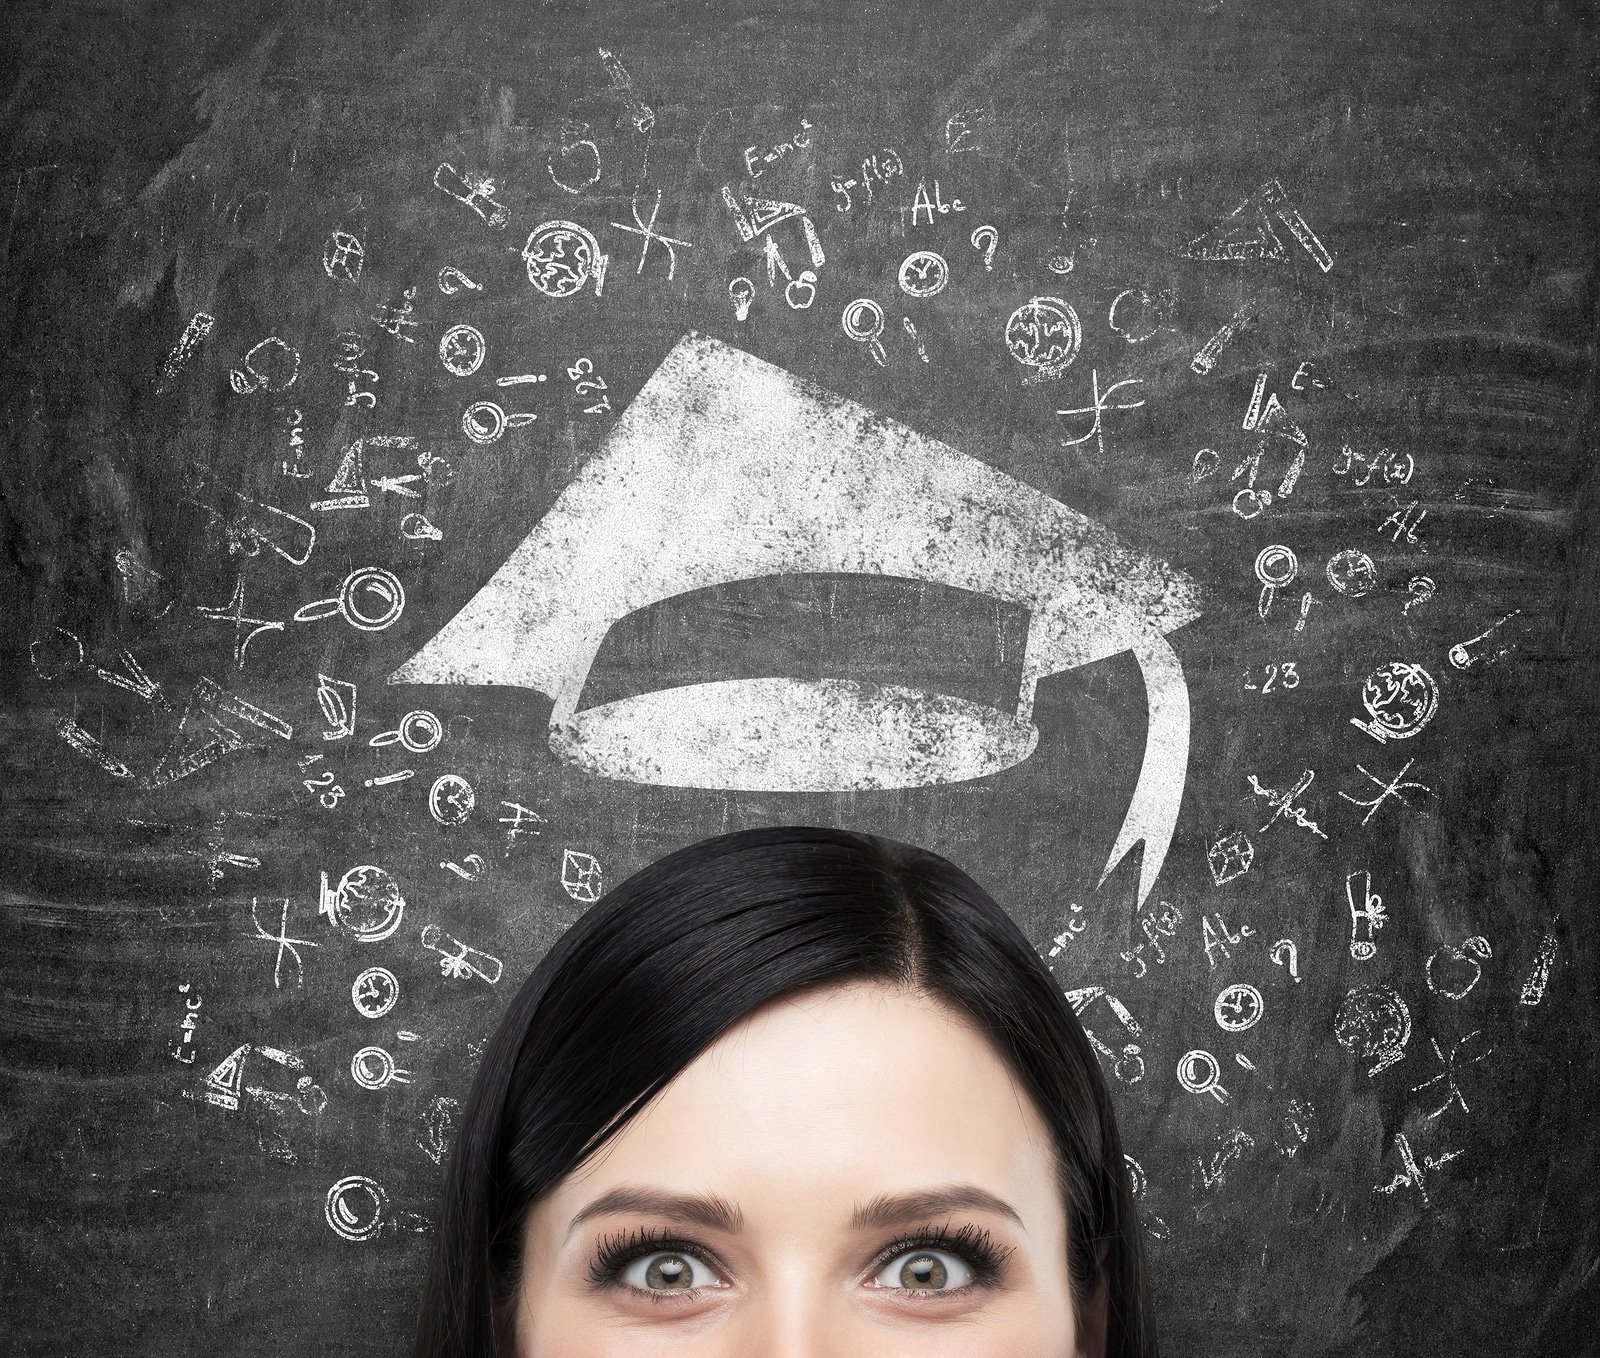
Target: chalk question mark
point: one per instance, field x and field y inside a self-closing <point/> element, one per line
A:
<point x="469" y="871"/>
<point x="452" y="281"/>
<point x="1284" y="948"/>
<point x="987" y="234"/>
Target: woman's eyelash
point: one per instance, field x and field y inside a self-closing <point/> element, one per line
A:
<point x="615" y="1252"/>
<point x="972" y="1243"/>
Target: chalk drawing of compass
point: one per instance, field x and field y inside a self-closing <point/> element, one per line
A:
<point x="728" y="468"/>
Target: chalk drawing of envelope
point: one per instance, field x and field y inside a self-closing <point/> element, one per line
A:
<point x="728" y="468"/>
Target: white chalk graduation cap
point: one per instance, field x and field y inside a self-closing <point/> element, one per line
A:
<point x="727" y="468"/>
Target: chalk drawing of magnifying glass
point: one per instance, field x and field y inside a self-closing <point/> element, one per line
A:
<point x="355" y="1207"/>
<point x="1199" y="1073"/>
<point x="485" y="422"/>
<point x="862" y="321"/>
<point x="419" y="732"/>
<point x="354" y="605"/>
<point x="1276" y="567"/>
<point x="373" y="1068"/>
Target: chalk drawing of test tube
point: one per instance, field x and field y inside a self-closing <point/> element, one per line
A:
<point x="456" y="960"/>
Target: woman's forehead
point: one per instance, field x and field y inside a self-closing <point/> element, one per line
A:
<point x="839" y="1093"/>
<point x="858" y="1030"/>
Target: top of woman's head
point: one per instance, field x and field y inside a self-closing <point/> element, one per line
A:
<point x="691" y="945"/>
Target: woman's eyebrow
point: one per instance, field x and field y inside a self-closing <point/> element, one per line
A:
<point x="897" y="1209"/>
<point x="701" y="1209"/>
<point x="719" y="1214"/>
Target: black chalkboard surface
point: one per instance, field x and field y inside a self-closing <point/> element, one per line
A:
<point x="1184" y="410"/>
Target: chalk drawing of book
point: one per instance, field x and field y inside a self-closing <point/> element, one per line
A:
<point x="728" y="468"/>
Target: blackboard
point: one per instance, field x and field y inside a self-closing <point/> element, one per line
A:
<point x="1294" y="302"/>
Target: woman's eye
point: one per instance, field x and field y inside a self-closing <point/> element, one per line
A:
<point x="669" y="1271"/>
<point x="925" y="1271"/>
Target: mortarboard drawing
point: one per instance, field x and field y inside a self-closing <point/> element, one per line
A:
<point x="727" y="468"/>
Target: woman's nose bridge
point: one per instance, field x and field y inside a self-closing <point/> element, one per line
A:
<point x="800" y="1319"/>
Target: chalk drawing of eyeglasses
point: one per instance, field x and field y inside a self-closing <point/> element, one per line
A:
<point x="729" y="468"/>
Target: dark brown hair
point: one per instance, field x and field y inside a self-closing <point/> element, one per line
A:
<point x="679" y="953"/>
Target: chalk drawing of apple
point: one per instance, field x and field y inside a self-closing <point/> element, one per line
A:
<point x="1452" y="971"/>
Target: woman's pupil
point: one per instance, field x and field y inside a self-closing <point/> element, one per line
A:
<point x="924" y="1271"/>
<point x="668" y="1271"/>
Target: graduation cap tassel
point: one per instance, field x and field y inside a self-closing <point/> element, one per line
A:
<point x="1153" y="813"/>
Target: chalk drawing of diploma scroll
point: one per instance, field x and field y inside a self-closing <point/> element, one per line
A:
<point x="728" y="468"/>
<point x="457" y="961"/>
